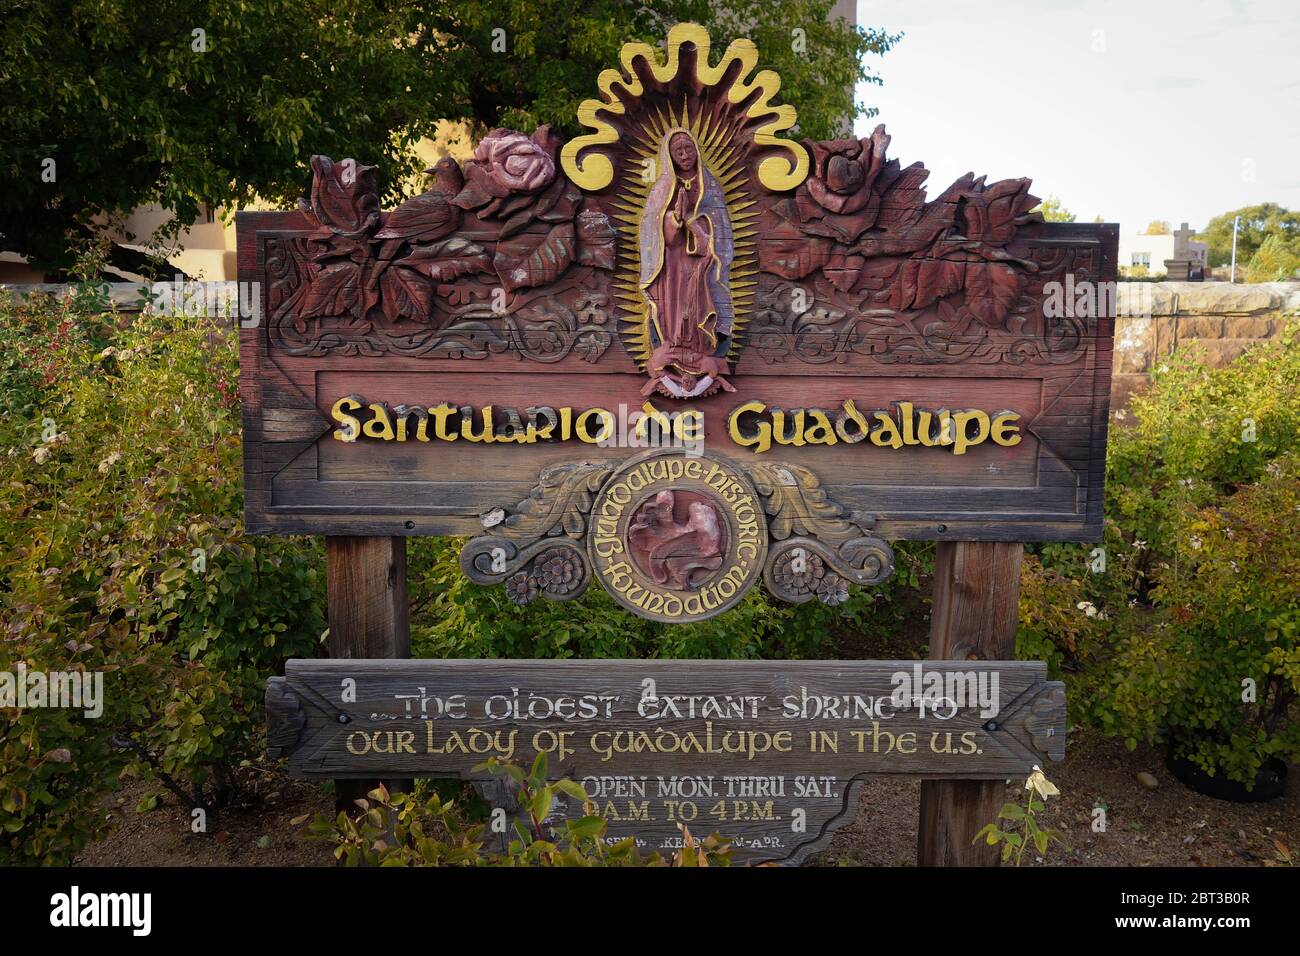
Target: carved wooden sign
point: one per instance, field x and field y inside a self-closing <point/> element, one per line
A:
<point x="678" y="353"/>
<point x="765" y="753"/>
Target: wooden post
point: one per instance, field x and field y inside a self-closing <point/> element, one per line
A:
<point x="369" y="617"/>
<point x="973" y="617"/>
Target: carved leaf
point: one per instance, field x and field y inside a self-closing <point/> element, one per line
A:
<point x="591" y="345"/>
<point x="991" y="289"/>
<point x="560" y="202"/>
<point x="474" y="194"/>
<point x="529" y="261"/>
<point x="334" y="291"/>
<point x="596" y="238"/>
<point x="797" y="504"/>
<point x="992" y="212"/>
<point x="924" y="281"/>
<point x="843" y="270"/>
<point x="406" y="294"/>
<point x="447" y="260"/>
<point x="794" y="258"/>
<point x="560" y="500"/>
<point x="904" y="198"/>
<point x="878" y="273"/>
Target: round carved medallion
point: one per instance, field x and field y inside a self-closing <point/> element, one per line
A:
<point x="677" y="537"/>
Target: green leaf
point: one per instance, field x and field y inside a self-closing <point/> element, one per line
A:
<point x="587" y="827"/>
<point x="572" y="789"/>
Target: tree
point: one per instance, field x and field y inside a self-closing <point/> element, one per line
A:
<point x="1158" y="227"/>
<point x="113" y="105"/>
<point x="1276" y="259"/>
<point x="1257" y="223"/>
<point x="1053" y="211"/>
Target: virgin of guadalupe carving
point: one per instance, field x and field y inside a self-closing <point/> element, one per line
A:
<point x="686" y="250"/>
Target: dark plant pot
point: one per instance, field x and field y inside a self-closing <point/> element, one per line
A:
<point x="1270" y="781"/>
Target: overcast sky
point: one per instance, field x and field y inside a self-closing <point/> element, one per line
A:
<point x="1130" y="109"/>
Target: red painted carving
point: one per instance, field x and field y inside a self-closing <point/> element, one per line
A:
<point x="677" y="538"/>
<point x="344" y="197"/>
<point x="863" y="224"/>
<point x="685" y="265"/>
<point x="365" y="280"/>
<point x="884" y="273"/>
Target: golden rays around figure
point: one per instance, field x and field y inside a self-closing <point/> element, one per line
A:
<point x="592" y="170"/>
<point x="716" y="141"/>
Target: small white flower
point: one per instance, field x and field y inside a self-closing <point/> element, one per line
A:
<point x="1235" y="569"/>
<point x="1195" y="542"/>
<point x="41" y="454"/>
<point x="1037" y="781"/>
<point x="1088" y="608"/>
<point x="1139" y="544"/>
<point x="1187" y="482"/>
<point x="1120" y="415"/>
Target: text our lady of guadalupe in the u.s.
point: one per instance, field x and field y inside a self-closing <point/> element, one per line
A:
<point x="685" y="277"/>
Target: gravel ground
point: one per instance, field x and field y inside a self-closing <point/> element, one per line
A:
<point x="1167" y="826"/>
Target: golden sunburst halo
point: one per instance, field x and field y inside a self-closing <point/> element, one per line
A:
<point x="593" y="171"/>
<point x="723" y="161"/>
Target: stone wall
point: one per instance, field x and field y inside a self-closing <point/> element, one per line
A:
<point x="1219" y="319"/>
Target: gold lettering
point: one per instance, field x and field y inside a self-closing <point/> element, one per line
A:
<point x="1002" y="425"/>
<point x="351" y="425"/>
<point x="962" y="439"/>
<point x="380" y="426"/>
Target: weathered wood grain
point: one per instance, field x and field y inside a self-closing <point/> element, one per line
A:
<point x="626" y="724"/>
<point x="369" y="617"/>
<point x="972" y="618"/>
<point x="1050" y="487"/>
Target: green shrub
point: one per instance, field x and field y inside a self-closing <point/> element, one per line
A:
<point x="1198" y="592"/>
<point x="1276" y="260"/>
<point x="453" y="617"/>
<point x="122" y="550"/>
<point x="425" y="829"/>
<point x="1231" y="640"/>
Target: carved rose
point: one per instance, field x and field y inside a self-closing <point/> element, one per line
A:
<point x="344" y="196"/>
<point x="844" y="170"/>
<point x="515" y="162"/>
<point x="507" y="164"/>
